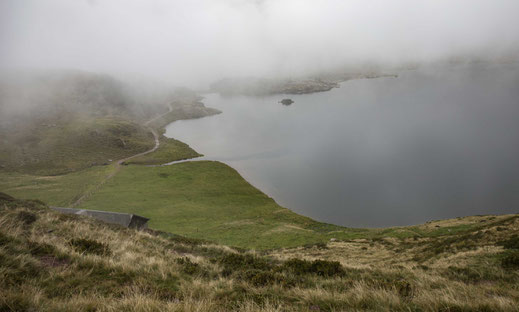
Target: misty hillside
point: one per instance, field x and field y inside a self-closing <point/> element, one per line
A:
<point x="45" y="94"/>
<point x="55" y="122"/>
<point x="63" y="121"/>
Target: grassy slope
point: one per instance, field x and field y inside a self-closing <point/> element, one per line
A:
<point x="55" y="262"/>
<point x="60" y="190"/>
<point x="73" y="144"/>
<point x="206" y="200"/>
<point x="212" y="201"/>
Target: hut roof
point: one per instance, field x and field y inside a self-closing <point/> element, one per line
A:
<point x="124" y="219"/>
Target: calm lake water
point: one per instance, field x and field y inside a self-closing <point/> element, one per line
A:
<point x="431" y="144"/>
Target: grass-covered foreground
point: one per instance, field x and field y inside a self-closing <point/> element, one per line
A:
<point x="55" y="262"/>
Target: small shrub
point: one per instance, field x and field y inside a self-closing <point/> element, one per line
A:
<point x="327" y="268"/>
<point x="404" y="289"/>
<point x="233" y="299"/>
<point x="319" y="267"/>
<point x="41" y="249"/>
<point x="259" y="277"/>
<point x="188" y="266"/>
<point x="165" y="288"/>
<point x="14" y="301"/>
<point x="26" y="217"/>
<point x="451" y="308"/>
<point x="298" y="266"/>
<point x="90" y="246"/>
<point x="511" y="243"/>
<point x="4" y="239"/>
<point x="233" y="262"/>
<point x="511" y="261"/>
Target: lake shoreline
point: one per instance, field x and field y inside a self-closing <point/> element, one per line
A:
<point x="262" y="140"/>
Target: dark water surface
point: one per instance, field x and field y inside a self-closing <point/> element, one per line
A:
<point x="431" y="144"/>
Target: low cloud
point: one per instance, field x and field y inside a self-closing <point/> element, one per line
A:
<point x="196" y="42"/>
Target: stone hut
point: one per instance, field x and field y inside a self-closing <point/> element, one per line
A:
<point x="125" y="219"/>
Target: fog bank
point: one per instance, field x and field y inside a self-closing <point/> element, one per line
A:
<point x="196" y="42"/>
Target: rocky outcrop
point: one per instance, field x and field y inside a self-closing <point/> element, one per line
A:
<point x="260" y="86"/>
<point x="263" y="86"/>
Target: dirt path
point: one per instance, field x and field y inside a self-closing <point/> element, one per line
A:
<point x="119" y="163"/>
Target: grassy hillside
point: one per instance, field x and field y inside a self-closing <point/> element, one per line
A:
<point x="59" y="122"/>
<point x="209" y="200"/>
<point x="72" y="144"/>
<point x="63" y="121"/>
<point x="54" y="262"/>
<point x="59" y="190"/>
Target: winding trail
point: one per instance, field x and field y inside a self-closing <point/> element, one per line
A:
<point x="118" y="163"/>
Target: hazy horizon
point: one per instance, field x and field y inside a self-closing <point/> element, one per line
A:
<point x="197" y="42"/>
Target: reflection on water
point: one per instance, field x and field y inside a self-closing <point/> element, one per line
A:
<point x="430" y="144"/>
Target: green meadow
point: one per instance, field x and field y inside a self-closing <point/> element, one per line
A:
<point x="209" y="200"/>
<point x="201" y="199"/>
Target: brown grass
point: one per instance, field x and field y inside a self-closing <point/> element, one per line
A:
<point x="150" y="271"/>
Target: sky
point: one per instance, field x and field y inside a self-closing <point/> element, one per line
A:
<point x="196" y="42"/>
